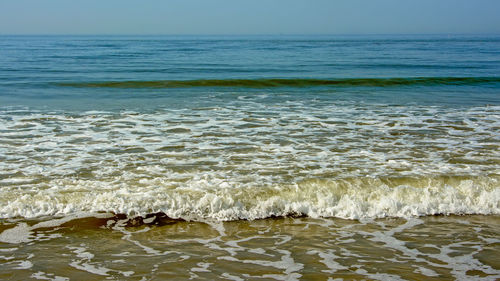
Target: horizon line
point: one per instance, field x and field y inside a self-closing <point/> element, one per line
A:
<point x="249" y="34"/>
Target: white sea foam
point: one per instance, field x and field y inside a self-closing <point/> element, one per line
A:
<point x="84" y="262"/>
<point x="220" y="200"/>
<point x="252" y="161"/>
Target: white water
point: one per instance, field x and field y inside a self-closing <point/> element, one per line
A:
<point x="225" y="163"/>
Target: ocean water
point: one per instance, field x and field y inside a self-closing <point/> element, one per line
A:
<point x="250" y="157"/>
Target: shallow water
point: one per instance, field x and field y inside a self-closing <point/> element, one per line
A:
<point x="274" y="157"/>
<point x="250" y="160"/>
<point x="430" y="248"/>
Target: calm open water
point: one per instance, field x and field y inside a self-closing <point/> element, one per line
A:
<point x="245" y="158"/>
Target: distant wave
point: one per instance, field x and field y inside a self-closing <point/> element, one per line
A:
<point x="271" y="83"/>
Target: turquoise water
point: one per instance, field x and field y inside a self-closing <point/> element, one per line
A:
<point x="178" y="117"/>
<point x="250" y="145"/>
<point x="34" y="67"/>
<point x="267" y="115"/>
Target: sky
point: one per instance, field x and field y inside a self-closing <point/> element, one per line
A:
<point x="224" y="17"/>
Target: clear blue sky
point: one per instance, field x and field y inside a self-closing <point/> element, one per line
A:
<point x="248" y="16"/>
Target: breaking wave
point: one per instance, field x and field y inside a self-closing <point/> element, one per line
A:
<point x="271" y="83"/>
<point x="221" y="200"/>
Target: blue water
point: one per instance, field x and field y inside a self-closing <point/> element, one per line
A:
<point x="32" y="66"/>
<point x="107" y="143"/>
<point x="232" y="128"/>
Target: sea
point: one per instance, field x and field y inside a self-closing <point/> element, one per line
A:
<point x="277" y="157"/>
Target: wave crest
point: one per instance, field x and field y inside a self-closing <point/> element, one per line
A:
<point x="272" y="83"/>
<point x="216" y="199"/>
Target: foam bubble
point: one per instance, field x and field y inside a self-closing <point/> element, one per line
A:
<point x="251" y="160"/>
<point x="222" y="200"/>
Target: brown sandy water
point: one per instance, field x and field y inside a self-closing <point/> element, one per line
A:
<point x="112" y="248"/>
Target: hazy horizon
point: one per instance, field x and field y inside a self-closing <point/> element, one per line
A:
<point x="252" y="34"/>
<point x="224" y="17"/>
